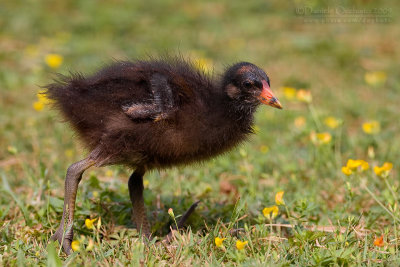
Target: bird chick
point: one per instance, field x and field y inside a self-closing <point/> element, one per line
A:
<point x="154" y="114"/>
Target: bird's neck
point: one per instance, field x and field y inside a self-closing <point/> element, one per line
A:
<point x="234" y="117"/>
<point x="241" y="115"/>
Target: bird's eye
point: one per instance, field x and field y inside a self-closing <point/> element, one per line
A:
<point x="247" y="84"/>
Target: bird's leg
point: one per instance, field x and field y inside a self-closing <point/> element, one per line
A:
<point x="181" y="221"/>
<point x="65" y="232"/>
<point x="135" y="185"/>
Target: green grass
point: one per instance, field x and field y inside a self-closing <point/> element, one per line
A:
<point x="329" y="218"/>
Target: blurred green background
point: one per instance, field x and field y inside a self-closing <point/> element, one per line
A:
<point x="349" y="63"/>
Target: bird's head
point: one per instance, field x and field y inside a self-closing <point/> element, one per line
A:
<point x="249" y="85"/>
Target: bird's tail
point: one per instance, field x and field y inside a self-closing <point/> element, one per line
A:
<point x="68" y="94"/>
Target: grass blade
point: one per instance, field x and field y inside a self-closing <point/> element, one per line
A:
<point x="7" y="189"/>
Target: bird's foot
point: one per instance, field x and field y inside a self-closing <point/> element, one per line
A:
<point x="181" y="222"/>
<point x="64" y="238"/>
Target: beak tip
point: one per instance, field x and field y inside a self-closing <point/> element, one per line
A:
<point x="276" y="104"/>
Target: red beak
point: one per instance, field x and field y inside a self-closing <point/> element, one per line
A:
<point x="267" y="97"/>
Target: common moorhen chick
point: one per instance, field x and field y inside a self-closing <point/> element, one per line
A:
<point x="152" y="115"/>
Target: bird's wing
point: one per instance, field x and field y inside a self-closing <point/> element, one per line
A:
<point x="162" y="105"/>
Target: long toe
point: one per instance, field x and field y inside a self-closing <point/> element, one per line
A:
<point x="67" y="246"/>
<point x="181" y="222"/>
<point x="187" y="214"/>
<point x="66" y="243"/>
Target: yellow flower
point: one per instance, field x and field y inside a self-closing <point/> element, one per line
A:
<point x="204" y="64"/>
<point x="320" y="138"/>
<point x="240" y="245"/>
<point x="387" y="166"/>
<point x="289" y="92"/>
<point x="75" y="245"/>
<point x="324" y="138"/>
<point x="375" y="78"/>
<point x="53" y="60"/>
<point x="264" y="149"/>
<point x="146" y="183"/>
<point x="299" y="122"/>
<point x="41" y="96"/>
<point x="90" y="245"/>
<point x="38" y="106"/>
<point x="279" y="198"/>
<point x="384" y="170"/>
<point x="371" y="127"/>
<point x="41" y="102"/>
<point x="271" y="212"/>
<point x="378" y="170"/>
<point x="346" y="170"/>
<point x="109" y="173"/>
<point x="332" y="122"/>
<point x="218" y="241"/>
<point x="364" y="165"/>
<point x="304" y="96"/>
<point x="89" y="223"/>
<point x="353" y="165"/>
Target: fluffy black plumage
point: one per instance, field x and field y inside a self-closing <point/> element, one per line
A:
<point x="209" y="117"/>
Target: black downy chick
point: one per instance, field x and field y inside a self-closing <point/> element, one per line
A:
<point x="154" y="115"/>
